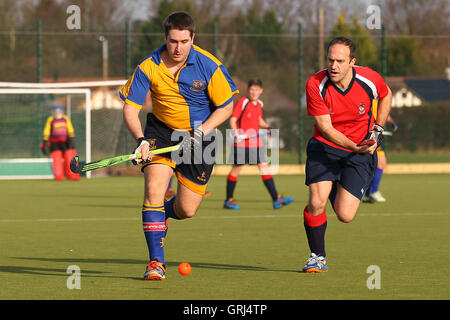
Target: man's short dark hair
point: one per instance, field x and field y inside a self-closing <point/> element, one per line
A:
<point x="345" y="41"/>
<point x="179" y="20"/>
<point x="254" y="82"/>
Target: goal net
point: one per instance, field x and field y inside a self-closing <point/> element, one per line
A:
<point x="23" y="113"/>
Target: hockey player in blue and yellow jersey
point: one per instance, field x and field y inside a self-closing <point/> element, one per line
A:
<point x="191" y="91"/>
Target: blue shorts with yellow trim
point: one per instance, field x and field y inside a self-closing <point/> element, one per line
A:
<point x="191" y="171"/>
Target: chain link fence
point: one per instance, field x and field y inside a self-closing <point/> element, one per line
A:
<point x="273" y="58"/>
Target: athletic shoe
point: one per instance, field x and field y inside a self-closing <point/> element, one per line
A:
<point x="155" y="271"/>
<point x="366" y="199"/>
<point x="169" y="194"/>
<point x="377" y="197"/>
<point x="315" y="264"/>
<point x="207" y="194"/>
<point x="277" y="204"/>
<point x="229" y="204"/>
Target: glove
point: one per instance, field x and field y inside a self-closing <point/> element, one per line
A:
<point x="141" y="142"/>
<point x="374" y="136"/>
<point x="45" y="147"/>
<point x="241" y="137"/>
<point x="394" y="127"/>
<point x="194" y="142"/>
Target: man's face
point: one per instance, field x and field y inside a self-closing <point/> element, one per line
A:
<point x="254" y="92"/>
<point x="178" y="44"/>
<point x="57" y="114"/>
<point x="339" y="63"/>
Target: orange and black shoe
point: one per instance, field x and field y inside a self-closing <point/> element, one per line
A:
<point x="169" y="194"/>
<point x="207" y="194"/>
<point x="155" y="271"/>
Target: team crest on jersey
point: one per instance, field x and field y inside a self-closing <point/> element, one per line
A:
<point x="198" y="85"/>
<point x="362" y="108"/>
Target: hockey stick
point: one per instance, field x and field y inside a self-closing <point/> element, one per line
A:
<point x="77" y="168"/>
<point x="238" y="139"/>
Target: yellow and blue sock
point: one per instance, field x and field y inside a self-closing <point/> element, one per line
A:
<point x="153" y="222"/>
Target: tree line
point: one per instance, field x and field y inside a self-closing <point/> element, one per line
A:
<point x="253" y="38"/>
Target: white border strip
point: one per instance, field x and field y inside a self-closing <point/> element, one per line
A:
<point x="26" y="177"/>
<point x="26" y="160"/>
<point x="84" y="84"/>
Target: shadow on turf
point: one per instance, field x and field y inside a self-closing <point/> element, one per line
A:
<point x="41" y="271"/>
<point x="204" y="265"/>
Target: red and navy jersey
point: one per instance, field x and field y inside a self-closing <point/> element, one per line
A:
<point x="248" y="116"/>
<point x="350" y="109"/>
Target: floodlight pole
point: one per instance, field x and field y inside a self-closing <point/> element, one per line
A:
<point x="300" y="92"/>
<point x="104" y="42"/>
<point x="383" y="51"/>
<point x="127" y="50"/>
<point x="39" y="51"/>
<point x="215" y="39"/>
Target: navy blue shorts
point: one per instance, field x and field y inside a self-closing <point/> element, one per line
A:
<point x="353" y="171"/>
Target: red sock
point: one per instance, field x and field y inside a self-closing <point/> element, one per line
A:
<point x="314" y="221"/>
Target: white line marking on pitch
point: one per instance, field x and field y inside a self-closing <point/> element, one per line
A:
<point x="271" y="216"/>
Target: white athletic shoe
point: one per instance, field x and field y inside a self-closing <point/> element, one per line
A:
<point x="377" y="197"/>
<point x="315" y="264"/>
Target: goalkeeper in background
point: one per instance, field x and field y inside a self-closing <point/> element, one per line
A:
<point x="59" y="142"/>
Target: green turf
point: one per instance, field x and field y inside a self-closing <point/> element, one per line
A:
<point x="392" y="157"/>
<point x="254" y="253"/>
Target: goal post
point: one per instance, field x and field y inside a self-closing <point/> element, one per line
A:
<point x="24" y="166"/>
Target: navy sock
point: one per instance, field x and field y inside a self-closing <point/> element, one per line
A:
<point x="153" y="222"/>
<point x="315" y="227"/>
<point x="231" y="184"/>
<point x="270" y="185"/>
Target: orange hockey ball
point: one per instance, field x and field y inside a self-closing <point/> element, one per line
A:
<point x="184" y="268"/>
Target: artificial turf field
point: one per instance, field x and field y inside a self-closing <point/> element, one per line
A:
<point x="254" y="253"/>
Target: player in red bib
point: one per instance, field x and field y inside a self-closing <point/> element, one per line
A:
<point x="249" y="148"/>
<point x="341" y="157"/>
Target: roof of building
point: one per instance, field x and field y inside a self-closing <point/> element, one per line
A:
<point x="430" y="90"/>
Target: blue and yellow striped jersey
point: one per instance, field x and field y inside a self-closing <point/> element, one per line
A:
<point x="201" y="85"/>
